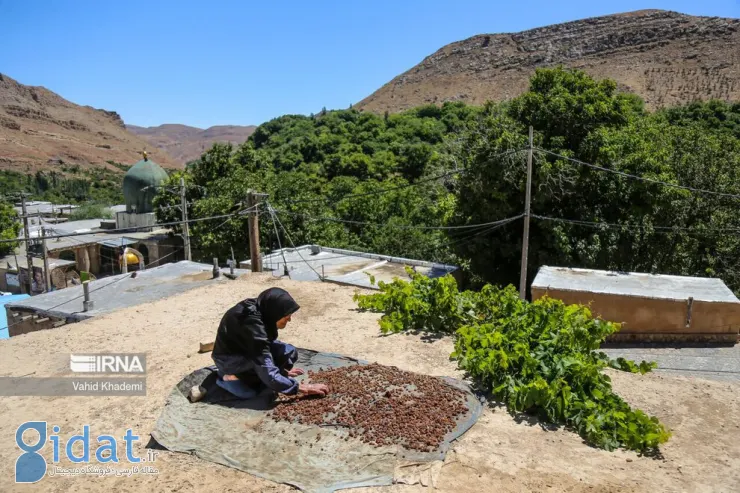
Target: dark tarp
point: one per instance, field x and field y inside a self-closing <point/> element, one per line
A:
<point x="239" y="433"/>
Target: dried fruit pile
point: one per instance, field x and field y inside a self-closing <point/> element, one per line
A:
<point x="380" y="405"/>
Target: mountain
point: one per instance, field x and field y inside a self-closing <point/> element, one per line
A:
<point x="41" y="130"/>
<point x="666" y="57"/>
<point x="186" y="143"/>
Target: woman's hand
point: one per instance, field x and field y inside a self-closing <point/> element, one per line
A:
<point x="319" y="389"/>
<point x="296" y="372"/>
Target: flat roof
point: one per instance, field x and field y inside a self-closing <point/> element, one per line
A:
<point x="54" y="263"/>
<point x="656" y="286"/>
<point x="116" y="292"/>
<point x="41" y="207"/>
<point x="310" y="262"/>
<point x="60" y="228"/>
<point x="102" y="237"/>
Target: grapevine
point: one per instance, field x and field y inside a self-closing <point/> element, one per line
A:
<point x="541" y="357"/>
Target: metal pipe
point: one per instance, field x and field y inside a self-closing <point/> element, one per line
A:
<point x="87" y="305"/>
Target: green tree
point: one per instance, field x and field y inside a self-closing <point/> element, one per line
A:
<point x="565" y="105"/>
<point x="9" y="228"/>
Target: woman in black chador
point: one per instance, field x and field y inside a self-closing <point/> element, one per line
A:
<point x="248" y="354"/>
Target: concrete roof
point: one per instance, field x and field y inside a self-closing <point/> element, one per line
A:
<point x="40" y="207"/>
<point x="345" y="266"/>
<point x="80" y="226"/>
<point x="117" y="292"/>
<point x="57" y="228"/>
<point x="633" y="284"/>
<point x="54" y="263"/>
<point x="98" y="237"/>
<point x="708" y="360"/>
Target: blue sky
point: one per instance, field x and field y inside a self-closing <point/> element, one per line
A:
<point x="244" y="62"/>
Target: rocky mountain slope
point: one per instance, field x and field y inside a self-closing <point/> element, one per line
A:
<point x="666" y="57"/>
<point x="41" y="130"/>
<point x="186" y="143"/>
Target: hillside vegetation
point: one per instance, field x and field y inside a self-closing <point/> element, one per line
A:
<point x="372" y="182"/>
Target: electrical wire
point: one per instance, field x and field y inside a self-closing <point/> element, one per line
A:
<point x="129" y="230"/>
<point x="277" y="234"/>
<point x="636" y="177"/>
<point x="659" y="229"/>
<point x="287" y="235"/>
<point x="397" y="226"/>
<point x="400" y="187"/>
<point x="241" y="212"/>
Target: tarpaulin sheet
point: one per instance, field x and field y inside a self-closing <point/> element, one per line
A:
<point x="239" y="433"/>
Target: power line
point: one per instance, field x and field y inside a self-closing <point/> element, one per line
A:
<point x="287" y="235"/>
<point x="398" y="226"/>
<point x="175" y="206"/>
<point x="400" y="187"/>
<point x="642" y="178"/>
<point x="241" y="212"/>
<point x="662" y="229"/>
<point x="128" y="230"/>
<point x="466" y="236"/>
<point x="277" y="234"/>
<point x="486" y="229"/>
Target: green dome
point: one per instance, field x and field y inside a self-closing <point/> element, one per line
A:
<point x="140" y="185"/>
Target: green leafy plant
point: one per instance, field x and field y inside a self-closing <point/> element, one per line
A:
<point x="540" y="358"/>
<point x="91" y="211"/>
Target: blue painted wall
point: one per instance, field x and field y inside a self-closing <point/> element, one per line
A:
<point x="3" y="315"/>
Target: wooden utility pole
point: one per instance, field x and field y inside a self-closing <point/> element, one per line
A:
<point x="185" y="226"/>
<point x="27" y="235"/>
<point x="527" y="201"/>
<point x="254" y="233"/>
<point x="47" y="273"/>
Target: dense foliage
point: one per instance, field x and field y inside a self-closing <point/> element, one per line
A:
<point x="712" y="115"/>
<point x="91" y="211"/>
<point x="575" y="117"/>
<point x="362" y="181"/>
<point x="72" y="184"/>
<point x="539" y="357"/>
<point x="308" y="164"/>
<point x="10" y="226"/>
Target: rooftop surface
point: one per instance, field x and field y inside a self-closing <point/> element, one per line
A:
<point x="311" y="262"/>
<point x="101" y="237"/>
<point x="40" y="207"/>
<point x="10" y="261"/>
<point x="711" y="361"/>
<point x="122" y="291"/>
<point x="633" y="284"/>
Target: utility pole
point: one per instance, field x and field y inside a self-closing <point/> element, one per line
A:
<point x="527" y="201"/>
<point x="47" y="274"/>
<point x="254" y="233"/>
<point x="27" y="234"/>
<point x="185" y="226"/>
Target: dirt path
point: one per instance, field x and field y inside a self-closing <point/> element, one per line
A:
<point x="498" y="454"/>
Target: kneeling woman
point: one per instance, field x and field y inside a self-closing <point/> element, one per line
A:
<point x="248" y="354"/>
